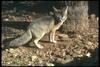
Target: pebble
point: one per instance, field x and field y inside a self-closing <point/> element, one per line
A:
<point x="88" y="54"/>
<point x="50" y="64"/>
<point x="34" y="58"/>
<point x="11" y="50"/>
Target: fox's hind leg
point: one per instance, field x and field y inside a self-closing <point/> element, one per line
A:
<point x="36" y="40"/>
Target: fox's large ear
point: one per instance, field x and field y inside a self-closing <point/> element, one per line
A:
<point x="51" y="13"/>
<point x="66" y="10"/>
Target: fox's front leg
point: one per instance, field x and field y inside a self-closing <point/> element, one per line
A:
<point x="52" y="37"/>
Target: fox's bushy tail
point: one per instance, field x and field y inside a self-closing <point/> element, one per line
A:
<point x="23" y="39"/>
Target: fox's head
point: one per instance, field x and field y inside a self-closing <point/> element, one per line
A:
<point x="60" y="15"/>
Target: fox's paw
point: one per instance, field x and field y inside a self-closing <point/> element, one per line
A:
<point x="39" y="46"/>
<point x="54" y="41"/>
<point x="51" y="40"/>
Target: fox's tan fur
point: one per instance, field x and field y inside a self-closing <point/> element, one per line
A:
<point x="38" y="28"/>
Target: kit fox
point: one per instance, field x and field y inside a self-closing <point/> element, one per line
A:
<point x="41" y="26"/>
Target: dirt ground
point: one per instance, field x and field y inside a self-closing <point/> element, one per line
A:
<point x="70" y="50"/>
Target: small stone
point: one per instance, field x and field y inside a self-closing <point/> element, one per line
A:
<point x="89" y="43"/>
<point x="6" y="19"/>
<point x="68" y="59"/>
<point x="50" y="64"/>
<point x="88" y="54"/>
<point x="79" y="36"/>
<point x="94" y="36"/>
<point x="6" y="50"/>
<point x="64" y="53"/>
<point x="80" y="55"/>
<point x="15" y="55"/>
<point x="8" y="62"/>
<point x="34" y="58"/>
<point x="11" y="50"/>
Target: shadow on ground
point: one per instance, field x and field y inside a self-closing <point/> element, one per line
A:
<point x="85" y="61"/>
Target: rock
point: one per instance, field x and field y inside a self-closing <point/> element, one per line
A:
<point x="6" y="50"/>
<point x="64" y="53"/>
<point x="80" y="55"/>
<point x="88" y="54"/>
<point x="50" y="64"/>
<point x="6" y="19"/>
<point x="89" y="43"/>
<point x="9" y="62"/>
<point x="34" y="58"/>
<point x="79" y="36"/>
<point x="65" y="60"/>
<point x="68" y="58"/>
<point x="11" y="50"/>
<point x="94" y="36"/>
